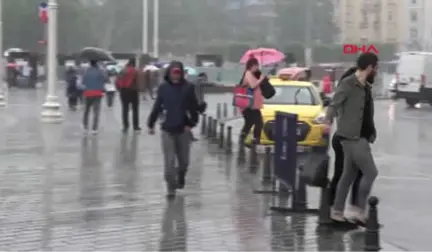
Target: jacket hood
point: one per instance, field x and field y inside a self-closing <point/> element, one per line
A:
<point x="174" y="64"/>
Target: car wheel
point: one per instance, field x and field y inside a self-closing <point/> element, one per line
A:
<point x="411" y="102"/>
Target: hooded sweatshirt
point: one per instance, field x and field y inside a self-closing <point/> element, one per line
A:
<point x="177" y="101"/>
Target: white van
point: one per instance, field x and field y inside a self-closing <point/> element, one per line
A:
<point x="414" y="77"/>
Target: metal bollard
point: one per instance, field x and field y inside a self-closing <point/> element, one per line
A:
<point x="253" y="158"/>
<point x="228" y="144"/>
<point x="268" y="180"/>
<point x="203" y="124"/>
<point x="372" y="233"/>
<point x="209" y="126"/>
<point x="324" y="208"/>
<point x="225" y="110"/>
<point x="266" y="172"/>
<point x="218" y="111"/>
<point x="214" y="129"/>
<point x="241" y="153"/>
<point x="221" y="135"/>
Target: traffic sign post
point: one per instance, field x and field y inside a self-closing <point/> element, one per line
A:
<point x="286" y="167"/>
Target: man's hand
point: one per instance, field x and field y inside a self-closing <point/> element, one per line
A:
<point x="327" y="127"/>
<point x="151" y="131"/>
<point x="372" y="138"/>
<point x="187" y="129"/>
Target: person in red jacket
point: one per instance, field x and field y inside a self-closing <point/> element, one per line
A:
<point x="327" y="85"/>
<point x="127" y="84"/>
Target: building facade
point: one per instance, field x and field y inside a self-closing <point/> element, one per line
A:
<point x="418" y="25"/>
<point x="370" y="21"/>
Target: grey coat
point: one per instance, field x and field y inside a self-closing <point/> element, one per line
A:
<point x="347" y="106"/>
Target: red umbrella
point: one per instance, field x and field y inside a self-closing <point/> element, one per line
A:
<point x="266" y="56"/>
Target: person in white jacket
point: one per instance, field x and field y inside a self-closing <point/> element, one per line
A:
<point x="110" y="88"/>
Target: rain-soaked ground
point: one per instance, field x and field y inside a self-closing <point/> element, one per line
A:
<point x="62" y="191"/>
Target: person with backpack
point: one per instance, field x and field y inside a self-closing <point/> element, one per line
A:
<point x="93" y="81"/>
<point x="127" y="84"/>
<point x="177" y="101"/>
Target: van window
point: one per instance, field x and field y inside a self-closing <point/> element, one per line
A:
<point x="412" y="65"/>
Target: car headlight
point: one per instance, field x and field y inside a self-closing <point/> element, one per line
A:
<point x="320" y="119"/>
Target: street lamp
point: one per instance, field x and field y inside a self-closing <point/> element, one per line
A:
<point x="51" y="108"/>
<point x="145" y="24"/>
<point x="156" y="29"/>
<point x="2" y="66"/>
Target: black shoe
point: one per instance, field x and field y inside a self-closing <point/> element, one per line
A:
<point x="343" y="225"/>
<point x="125" y="129"/>
<point x="181" y="180"/>
<point x="137" y="129"/>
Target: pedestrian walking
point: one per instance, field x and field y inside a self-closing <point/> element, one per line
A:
<point x="353" y="106"/>
<point x="176" y="100"/>
<point x="252" y="116"/>
<point x="199" y="92"/>
<point x="110" y="88"/>
<point x="127" y="84"/>
<point x="72" y="91"/>
<point x="94" y="80"/>
<point x="339" y="161"/>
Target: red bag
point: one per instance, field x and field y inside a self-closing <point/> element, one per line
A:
<point x="243" y="97"/>
<point x="126" y="78"/>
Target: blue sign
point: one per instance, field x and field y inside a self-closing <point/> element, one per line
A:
<point x="285" y="156"/>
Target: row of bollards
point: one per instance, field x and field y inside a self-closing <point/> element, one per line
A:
<point x="222" y="111"/>
<point x="216" y="132"/>
<point x="215" y="129"/>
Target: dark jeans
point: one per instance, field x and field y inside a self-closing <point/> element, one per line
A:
<point x="252" y="117"/>
<point x="110" y="98"/>
<point x="338" y="169"/>
<point x="92" y="103"/>
<point x="130" y="98"/>
<point x="72" y="102"/>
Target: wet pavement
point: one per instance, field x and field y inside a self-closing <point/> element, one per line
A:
<point x="62" y="191"/>
<point x="403" y="155"/>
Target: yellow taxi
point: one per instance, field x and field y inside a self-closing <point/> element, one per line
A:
<point x="297" y="97"/>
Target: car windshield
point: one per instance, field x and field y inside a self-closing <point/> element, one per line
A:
<point x="294" y="95"/>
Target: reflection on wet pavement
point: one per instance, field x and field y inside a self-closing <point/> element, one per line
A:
<point x="61" y="191"/>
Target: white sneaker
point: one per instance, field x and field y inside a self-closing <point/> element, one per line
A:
<point x="355" y="214"/>
<point x="94" y="132"/>
<point x="337" y="215"/>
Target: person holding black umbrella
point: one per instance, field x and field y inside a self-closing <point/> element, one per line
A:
<point x="94" y="80"/>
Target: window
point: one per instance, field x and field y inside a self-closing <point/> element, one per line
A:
<point x="413" y="16"/>
<point x="413" y="2"/>
<point x="413" y="32"/>
<point x="364" y="22"/>
<point x="296" y="95"/>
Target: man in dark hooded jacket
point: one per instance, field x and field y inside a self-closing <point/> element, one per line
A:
<point x="177" y="102"/>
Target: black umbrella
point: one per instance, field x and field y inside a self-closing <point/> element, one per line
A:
<point x="94" y="53"/>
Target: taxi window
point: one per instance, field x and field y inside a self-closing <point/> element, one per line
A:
<point x="293" y="95"/>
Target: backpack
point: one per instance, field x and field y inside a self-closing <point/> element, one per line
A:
<point x="125" y="80"/>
